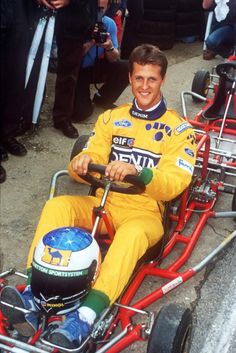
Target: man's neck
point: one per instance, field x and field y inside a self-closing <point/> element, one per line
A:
<point x="150" y="109"/>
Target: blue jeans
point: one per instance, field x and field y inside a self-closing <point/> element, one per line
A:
<point x="222" y="40"/>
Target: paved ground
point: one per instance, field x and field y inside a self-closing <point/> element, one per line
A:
<point x="26" y="189"/>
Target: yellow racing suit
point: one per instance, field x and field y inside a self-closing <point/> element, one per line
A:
<point x="164" y="144"/>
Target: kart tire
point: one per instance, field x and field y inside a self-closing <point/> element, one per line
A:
<point x="159" y="16"/>
<point x="186" y="5"/>
<point x="164" y="42"/>
<point x="160" y="5"/>
<point x="79" y="145"/>
<point x="171" y="332"/>
<point x="187" y="29"/>
<point x="159" y="28"/>
<point x="200" y="84"/>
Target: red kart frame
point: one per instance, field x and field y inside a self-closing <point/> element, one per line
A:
<point x="200" y="201"/>
<point x="218" y="116"/>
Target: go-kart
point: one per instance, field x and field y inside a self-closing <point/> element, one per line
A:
<point x="218" y="116"/>
<point x="130" y="318"/>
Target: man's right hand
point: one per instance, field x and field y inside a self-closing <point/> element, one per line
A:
<point x="46" y="4"/>
<point x="80" y="164"/>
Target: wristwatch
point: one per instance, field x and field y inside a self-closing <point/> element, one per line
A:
<point x="139" y="169"/>
<point x="111" y="49"/>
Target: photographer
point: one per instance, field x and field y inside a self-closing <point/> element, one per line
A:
<point x="100" y="64"/>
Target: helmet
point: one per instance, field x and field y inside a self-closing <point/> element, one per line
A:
<point x="65" y="264"/>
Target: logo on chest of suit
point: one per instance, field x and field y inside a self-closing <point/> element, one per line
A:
<point x="122" y="141"/>
<point x="122" y="123"/>
<point x="134" y="155"/>
<point x="161" y="130"/>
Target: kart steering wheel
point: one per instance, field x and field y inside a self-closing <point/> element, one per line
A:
<point x="228" y="69"/>
<point x="130" y="185"/>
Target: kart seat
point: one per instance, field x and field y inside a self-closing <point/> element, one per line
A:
<point x="227" y="77"/>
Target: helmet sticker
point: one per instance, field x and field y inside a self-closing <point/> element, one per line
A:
<point x="56" y="257"/>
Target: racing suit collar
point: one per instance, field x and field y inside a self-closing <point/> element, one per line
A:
<point x="154" y="114"/>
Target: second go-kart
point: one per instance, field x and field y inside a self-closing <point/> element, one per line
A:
<point x="218" y="115"/>
<point x="130" y="318"/>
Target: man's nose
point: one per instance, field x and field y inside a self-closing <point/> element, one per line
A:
<point x="145" y="83"/>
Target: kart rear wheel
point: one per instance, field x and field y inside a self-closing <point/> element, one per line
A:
<point x="171" y="332"/>
<point x="79" y="145"/>
<point x="200" y="84"/>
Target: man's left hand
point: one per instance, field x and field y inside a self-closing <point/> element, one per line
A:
<point x="107" y="44"/>
<point x="118" y="170"/>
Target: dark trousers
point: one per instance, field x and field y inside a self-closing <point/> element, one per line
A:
<point x="14" y="49"/>
<point x="69" y="58"/>
<point x="113" y="75"/>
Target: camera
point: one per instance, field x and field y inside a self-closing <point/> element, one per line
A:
<point x="100" y="32"/>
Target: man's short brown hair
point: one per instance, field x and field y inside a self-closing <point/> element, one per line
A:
<point x="146" y="54"/>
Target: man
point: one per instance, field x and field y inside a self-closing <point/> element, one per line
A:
<point x="163" y="146"/>
<point x="14" y="47"/>
<point x="74" y="23"/>
<point x="116" y="11"/>
<point x="222" y="39"/>
<point x="100" y="64"/>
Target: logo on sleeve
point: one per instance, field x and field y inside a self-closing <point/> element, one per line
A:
<point x="181" y="128"/>
<point x="181" y="163"/>
<point x="189" y="152"/>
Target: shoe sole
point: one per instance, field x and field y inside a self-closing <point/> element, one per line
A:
<point x="24" y="329"/>
<point x="60" y="340"/>
<point x="15" y="317"/>
<point x="12" y="297"/>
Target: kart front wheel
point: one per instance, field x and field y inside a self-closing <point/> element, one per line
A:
<point x="171" y="332"/>
<point x="200" y="84"/>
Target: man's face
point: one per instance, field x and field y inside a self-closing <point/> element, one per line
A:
<point x="103" y="3"/>
<point x="146" y="82"/>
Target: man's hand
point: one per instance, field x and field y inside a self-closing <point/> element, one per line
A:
<point x="107" y="44"/>
<point x="54" y="4"/>
<point x="80" y="164"/>
<point x="118" y="170"/>
<point x="119" y="13"/>
<point x="87" y="46"/>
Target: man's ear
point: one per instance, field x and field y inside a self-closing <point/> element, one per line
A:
<point x="129" y="77"/>
<point x="164" y="80"/>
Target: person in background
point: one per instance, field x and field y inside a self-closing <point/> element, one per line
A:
<point x="222" y="38"/>
<point x="100" y="64"/>
<point x="132" y="23"/>
<point x="14" y="50"/>
<point x="143" y="139"/>
<point x="116" y="11"/>
<point x="75" y="21"/>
